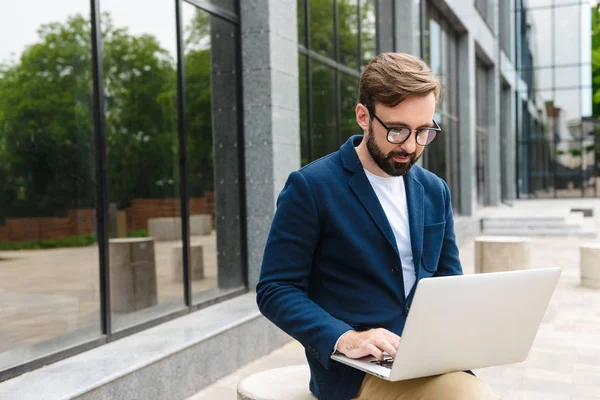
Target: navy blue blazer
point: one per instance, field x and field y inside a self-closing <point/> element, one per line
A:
<point x="331" y="263"/>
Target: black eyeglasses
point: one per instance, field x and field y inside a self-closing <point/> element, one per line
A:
<point x="400" y="134"/>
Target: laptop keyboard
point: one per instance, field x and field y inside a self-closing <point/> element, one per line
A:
<point x="386" y="362"/>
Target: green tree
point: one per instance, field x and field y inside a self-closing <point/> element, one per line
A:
<point x="141" y="119"/>
<point x="46" y="129"/>
<point x="45" y="124"/>
<point x="197" y="62"/>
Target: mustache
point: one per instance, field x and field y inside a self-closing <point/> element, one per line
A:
<point x="401" y="154"/>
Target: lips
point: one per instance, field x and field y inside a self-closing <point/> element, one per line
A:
<point x="401" y="159"/>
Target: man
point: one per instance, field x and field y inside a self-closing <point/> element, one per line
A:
<point x="353" y="234"/>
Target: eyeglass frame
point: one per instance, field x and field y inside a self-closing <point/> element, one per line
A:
<point x="437" y="129"/>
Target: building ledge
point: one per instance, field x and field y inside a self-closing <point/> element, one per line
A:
<point x="172" y="360"/>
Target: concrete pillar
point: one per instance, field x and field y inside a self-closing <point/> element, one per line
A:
<point x="589" y="265"/>
<point x="271" y="114"/>
<point x="494" y="180"/>
<point x="408" y="27"/>
<point x="501" y="253"/>
<point x="466" y="116"/>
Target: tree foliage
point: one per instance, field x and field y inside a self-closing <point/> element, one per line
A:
<point x="46" y="126"/>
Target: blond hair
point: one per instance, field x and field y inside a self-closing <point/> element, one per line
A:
<point x="392" y="77"/>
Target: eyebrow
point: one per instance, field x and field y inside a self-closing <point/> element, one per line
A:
<point x="400" y="123"/>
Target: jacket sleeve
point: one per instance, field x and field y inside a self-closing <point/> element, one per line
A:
<point x="286" y="267"/>
<point x="449" y="263"/>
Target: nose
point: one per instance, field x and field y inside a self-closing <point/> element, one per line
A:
<point x="410" y="146"/>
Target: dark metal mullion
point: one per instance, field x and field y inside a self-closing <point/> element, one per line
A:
<point x="183" y="167"/>
<point x="309" y="125"/>
<point x="215" y="10"/>
<point x="338" y="90"/>
<point x="422" y="16"/>
<point x="101" y="169"/>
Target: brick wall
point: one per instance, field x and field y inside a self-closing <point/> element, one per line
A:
<point x="83" y="221"/>
<point x="143" y="209"/>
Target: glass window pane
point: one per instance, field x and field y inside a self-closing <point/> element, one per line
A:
<point x="142" y="156"/>
<point x="567" y="37"/>
<point x="49" y="268"/>
<point x="302" y="22"/>
<point x="213" y="159"/>
<point x="540" y="45"/>
<point x="349" y="98"/>
<point x="367" y="31"/>
<point x="304" y="140"/>
<point x="324" y="135"/>
<point x="321" y="27"/>
<point x="567" y="77"/>
<point x="348" y="31"/>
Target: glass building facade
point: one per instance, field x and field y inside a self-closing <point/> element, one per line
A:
<point x="117" y="170"/>
<point x="135" y="149"/>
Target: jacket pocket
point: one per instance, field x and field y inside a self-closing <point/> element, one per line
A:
<point x="433" y="239"/>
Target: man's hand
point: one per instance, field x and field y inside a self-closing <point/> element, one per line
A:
<point x="374" y="342"/>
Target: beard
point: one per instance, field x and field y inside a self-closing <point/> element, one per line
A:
<point x="386" y="162"/>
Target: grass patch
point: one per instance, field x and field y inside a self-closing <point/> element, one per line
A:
<point x="137" y="233"/>
<point x="72" y="241"/>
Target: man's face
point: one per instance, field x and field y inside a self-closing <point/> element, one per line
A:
<point x="413" y="113"/>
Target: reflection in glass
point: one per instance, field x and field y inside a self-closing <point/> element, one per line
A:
<point x="211" y="90"/>
<point x="349" y="99"/>
<point x="49" y="289"/>
<point x="367" y="31"/>
<point x="143" y="162"/>
<point x="321" y="27"/>
<point x="304" y="140"/>
<point x="348" y="32"/>
<point x="324" y="128"/>
<point x="302" y="22"/>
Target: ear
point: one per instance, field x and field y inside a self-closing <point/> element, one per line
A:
<point x="363" y="117"/>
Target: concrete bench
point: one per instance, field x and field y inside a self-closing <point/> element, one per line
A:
<point x="501" y="253"/>
<point x="196" y="261"/>
<point x="169" y="228"/>
<point x="287" y="383"/>
<point x="589" y="264"/>
<point x="132" y="274"/>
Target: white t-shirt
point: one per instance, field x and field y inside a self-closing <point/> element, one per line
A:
<point x="392" y="196"/>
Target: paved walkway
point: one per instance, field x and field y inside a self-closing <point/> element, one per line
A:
<point x="564" y="363"/>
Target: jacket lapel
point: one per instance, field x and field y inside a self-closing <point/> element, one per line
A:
<point x="363" y="190"/>
<point x="360" y="185"/>
<point x="416" y="216"/>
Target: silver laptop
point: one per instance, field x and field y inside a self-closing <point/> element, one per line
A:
<point x="464" y="322"/>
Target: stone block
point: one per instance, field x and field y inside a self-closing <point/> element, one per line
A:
<point x="196" y="261"/>
<point x="290" y="383"/>
<point x="200" y="224"/>
<point x="501" y="253"/>
<point x="132" y="274"/>
<point x="589" y="264"/>
<point x="169" y="228"/>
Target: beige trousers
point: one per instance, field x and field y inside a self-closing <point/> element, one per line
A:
<point x="453" y="386"/>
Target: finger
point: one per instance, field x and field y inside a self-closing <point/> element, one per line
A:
<point x="374" y="351"/>
<point x="390" y="334"/>
<point x="386" y="346"/>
